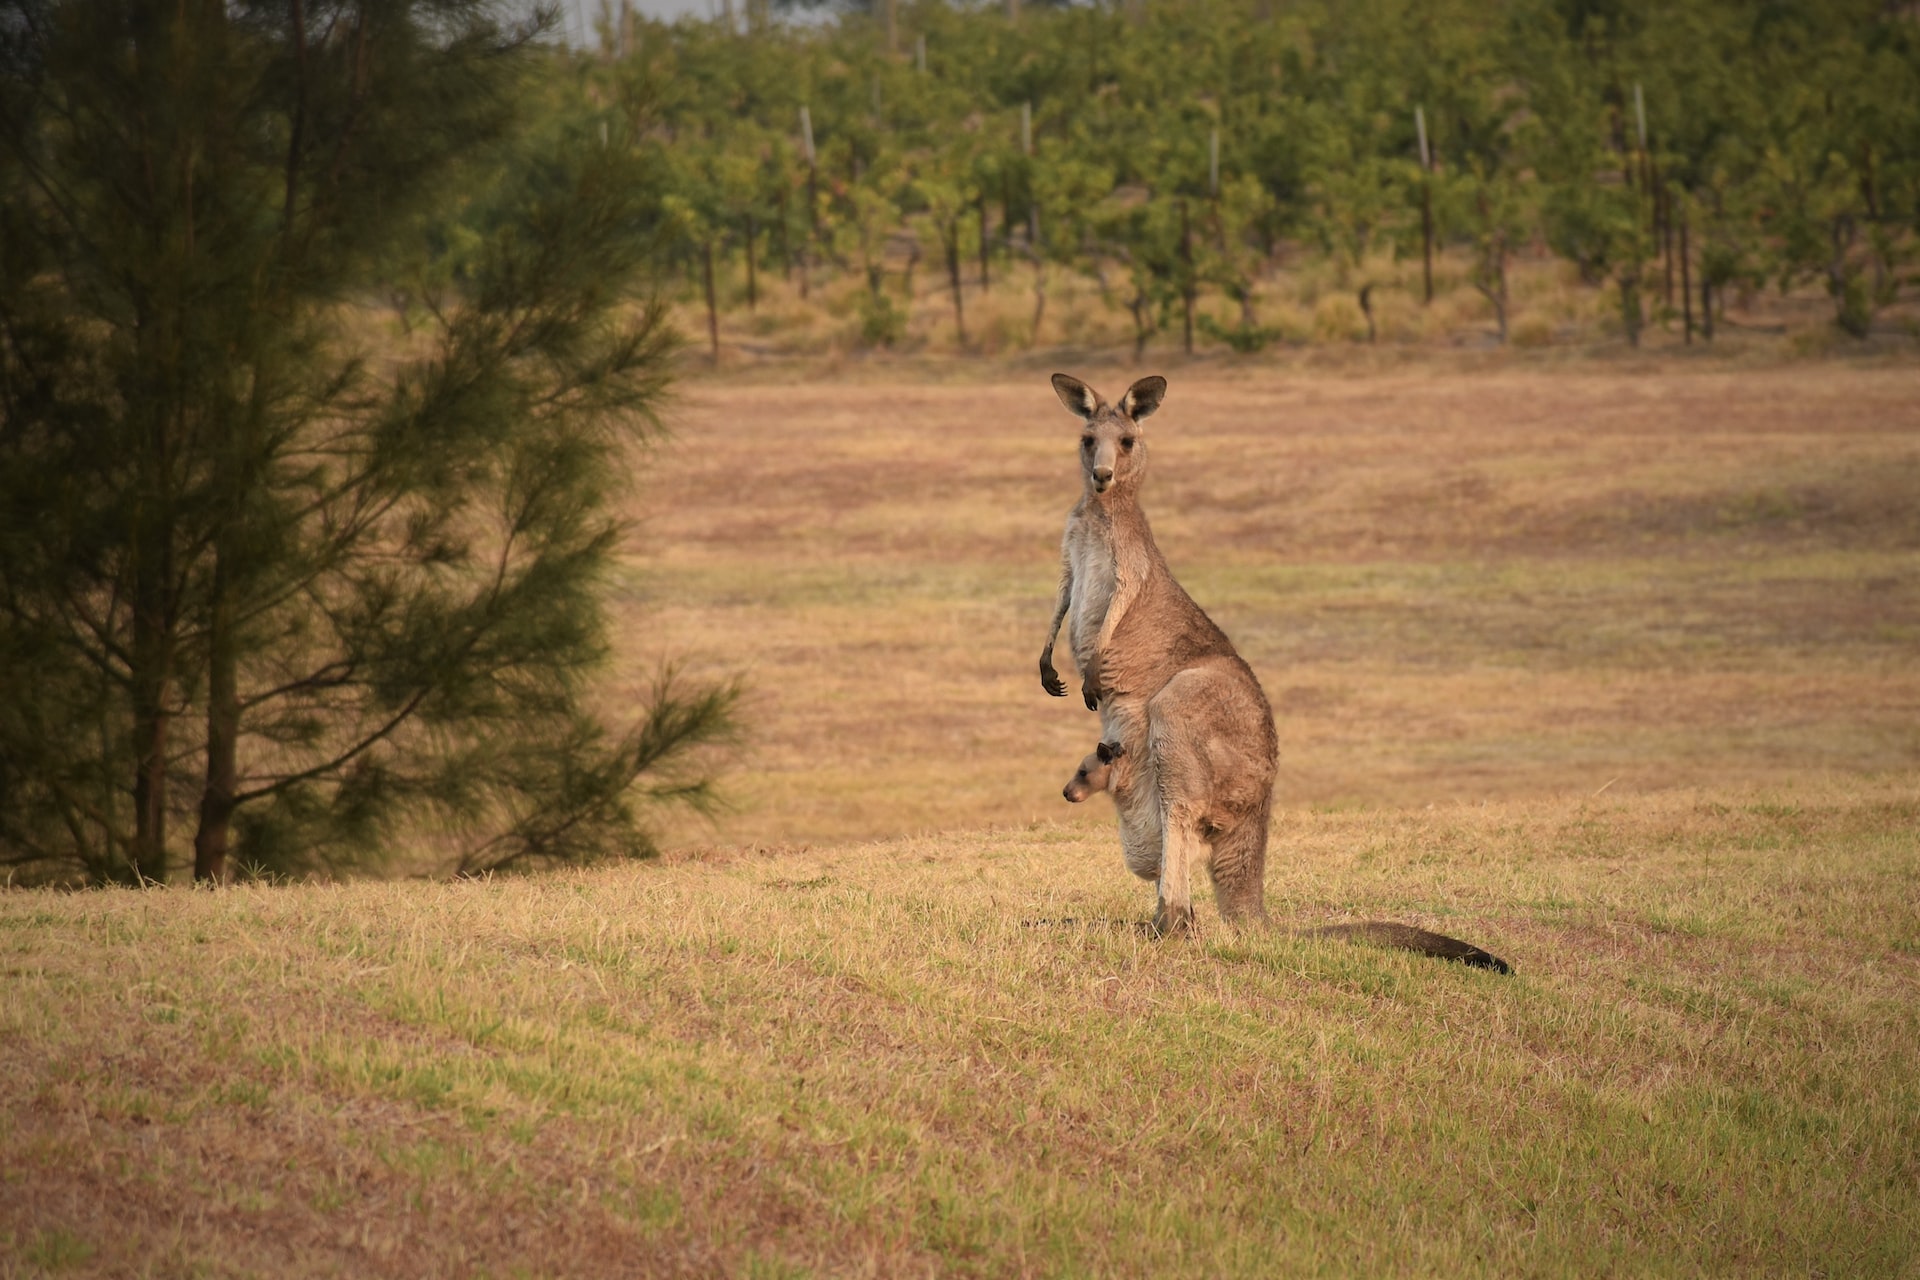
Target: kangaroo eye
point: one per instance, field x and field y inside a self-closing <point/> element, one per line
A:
<point x="1086" y="442"/>
<point x="1126" y="442"/>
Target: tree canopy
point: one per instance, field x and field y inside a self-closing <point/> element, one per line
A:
<point x="312" y="434"/>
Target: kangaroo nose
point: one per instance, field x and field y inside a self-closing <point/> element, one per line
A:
<point x="1103" y="474"/>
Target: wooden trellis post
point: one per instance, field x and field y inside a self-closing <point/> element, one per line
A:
<point x="1686" y="278"/>
<point x="753" y="292"/>
<point x="713" y="308"/>
<point x="986" y="243"/>
<point x="1426" y="201"/>
<point x="813" y="197"/>
<point x="1186" y="274"/>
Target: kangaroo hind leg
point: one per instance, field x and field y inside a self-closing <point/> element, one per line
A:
<point x="1185" y="846"/>
<point x="1239" y="869"/>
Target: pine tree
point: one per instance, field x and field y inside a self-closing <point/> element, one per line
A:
<point x="270" y="562"/>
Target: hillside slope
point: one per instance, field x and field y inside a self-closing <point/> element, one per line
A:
<point x="960" y="1055"/>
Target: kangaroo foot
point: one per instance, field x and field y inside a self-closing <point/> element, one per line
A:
<point x="1173" y="920"/>
<point x="1244" y="917"/>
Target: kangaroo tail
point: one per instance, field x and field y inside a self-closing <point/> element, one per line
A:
<point x="1404" y="937"/>
<point x="1239" y="869"/>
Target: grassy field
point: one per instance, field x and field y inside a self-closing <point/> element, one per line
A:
<point x="959" y="1055"/>
<point x="1607" y="667"/>
<point x="1456" y="587"/>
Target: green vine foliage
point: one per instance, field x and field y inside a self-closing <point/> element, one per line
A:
<point x="1790" y="136"/>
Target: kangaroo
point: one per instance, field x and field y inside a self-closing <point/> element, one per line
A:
<point x="1094" y="774"/>
<point x="1176" y="701"/>
<point x="1168" y="684"/>
<point x="1099" y="769"/>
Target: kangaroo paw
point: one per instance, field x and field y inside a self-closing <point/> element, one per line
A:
<point x="1050" y="680"/>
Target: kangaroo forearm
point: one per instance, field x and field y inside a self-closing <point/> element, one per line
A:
<point x="1049" y="678"/>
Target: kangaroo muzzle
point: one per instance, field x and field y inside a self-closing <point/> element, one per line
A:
<point x="1106" y="457"/>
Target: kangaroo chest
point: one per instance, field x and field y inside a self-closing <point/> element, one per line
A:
<point x="1090" y="554"/>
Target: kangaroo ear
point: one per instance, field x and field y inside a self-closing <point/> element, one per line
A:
<point x="1081" y="400"/>
<point x="1143" y="397"/>
<point x="1109" y="752"/>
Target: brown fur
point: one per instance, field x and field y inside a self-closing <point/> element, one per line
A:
<point x="1182" y="707"/>
<point x="1095" y="773"/>
<point x="1099" y="770"/>
<point x="1167" y="682"/>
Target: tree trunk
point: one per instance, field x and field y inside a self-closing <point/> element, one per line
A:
<point x="211" y="841"/>
<point x="953" y="275"/>
<point x="297" y="127"/>
<point x="1686" y="280"/>
<point x="1666" y="243"/>
<point x="813" y="226"/>
<point x="1186" y="274"/>
<point x="1500" y="295"/>
<point x="1490" y="273"/>
<point x="1426" y="235"/>
<point x="150" y="675"/>
<point x="1039" y="269"/>
<point x="150" y="724"/>
<point x="786" y="249"/>
<point x="985" y="245"/>
<point x="713" y="309"/>
<point x="753" y="288"/>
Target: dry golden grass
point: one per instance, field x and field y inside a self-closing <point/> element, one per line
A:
<point x="1523" y="582"/>
<point x="959" y="1055"/>
<point x="1608" y="668"/>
